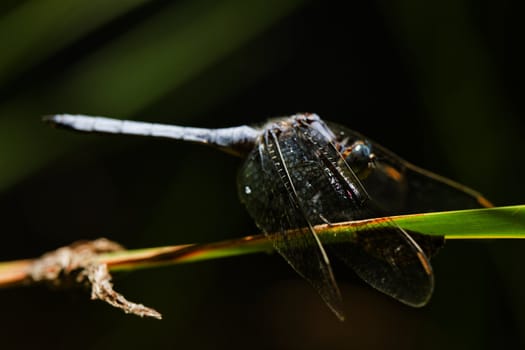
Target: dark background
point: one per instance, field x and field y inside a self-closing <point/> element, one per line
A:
<point x="438" y="82"/>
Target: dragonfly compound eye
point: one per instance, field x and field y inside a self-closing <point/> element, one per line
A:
<point x="360" y="158"/>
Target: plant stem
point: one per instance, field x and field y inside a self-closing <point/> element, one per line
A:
<point x="487" y="223"/>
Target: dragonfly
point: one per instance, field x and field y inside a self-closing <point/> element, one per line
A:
<point x="300" y="171"/>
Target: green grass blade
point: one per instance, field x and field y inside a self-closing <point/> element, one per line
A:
<point x="487" y="223"/>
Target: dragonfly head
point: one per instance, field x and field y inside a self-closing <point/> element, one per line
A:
<point x="360" y="158"/>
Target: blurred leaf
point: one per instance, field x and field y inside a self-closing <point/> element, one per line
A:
<point x="166" y="51"/>
<point x="458" y="84"/>
<point x="28" y="146"/>
<point x="128" y="74"/>
<point x="49" y="25"/>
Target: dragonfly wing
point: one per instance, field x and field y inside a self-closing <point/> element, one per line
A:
<point x="269" y="187"/>
<point x="386" y="257"/>
<point x="390" y="260"/>
<point x="403" y="188"/>
<point x="429" y="192"/>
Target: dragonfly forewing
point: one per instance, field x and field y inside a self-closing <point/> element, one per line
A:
<point x="275" y="185"/>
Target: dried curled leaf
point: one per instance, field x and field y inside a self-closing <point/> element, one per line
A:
<point x="77" y="264"/>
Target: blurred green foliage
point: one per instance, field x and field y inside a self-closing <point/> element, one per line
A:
<point x="438" y="82"/>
